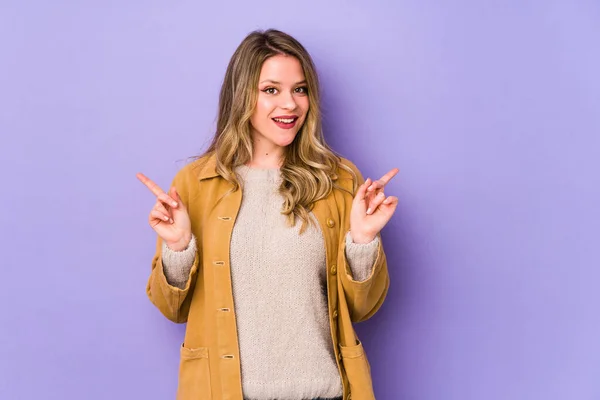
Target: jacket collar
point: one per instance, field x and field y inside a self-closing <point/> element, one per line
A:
<point x="208" y="168"/>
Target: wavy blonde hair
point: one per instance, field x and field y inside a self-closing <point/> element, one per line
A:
<point x="309" y="165"/>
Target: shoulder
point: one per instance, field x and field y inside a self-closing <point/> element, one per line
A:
<point x="187" y="180"/>
<point x="200" y="168"/>
<point x="348" y="176"/>
<point x="345" y="166"/>
<point x="348" y="171"/>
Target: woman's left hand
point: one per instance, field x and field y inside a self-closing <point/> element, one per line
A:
<point x="371" y="209"/>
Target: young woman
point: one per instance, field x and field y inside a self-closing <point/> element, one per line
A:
<point x="269" y="244"/>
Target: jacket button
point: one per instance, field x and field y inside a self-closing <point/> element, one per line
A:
<point x="333" y="269"/>
<point x="335" y="314"/>
<point x="330" y="223"/>
<point x="340" y="356"/>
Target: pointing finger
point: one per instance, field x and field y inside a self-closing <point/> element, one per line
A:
<point x="154" y="188"/>
<point x="381" y="182"/>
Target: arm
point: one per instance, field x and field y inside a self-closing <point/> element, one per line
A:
<point x="178" y="264"/>
<point x="363" y="296"/>
<point x="361" y="257"/>
<point x="173" y="296"/>
<point x="172" y="301"/>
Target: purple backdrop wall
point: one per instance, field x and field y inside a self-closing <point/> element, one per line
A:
<point x="490" y="110"/>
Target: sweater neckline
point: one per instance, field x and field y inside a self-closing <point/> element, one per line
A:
<point x="259" y="174"/>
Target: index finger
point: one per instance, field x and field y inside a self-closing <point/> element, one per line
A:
<point x="388" y="177"/>
<point x="154" y="188"/>
<point x="381" y="182"/>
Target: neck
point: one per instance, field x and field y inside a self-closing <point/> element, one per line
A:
<point x="266" y="157"/>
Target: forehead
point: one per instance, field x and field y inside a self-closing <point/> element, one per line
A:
<point x="280" y="68"/>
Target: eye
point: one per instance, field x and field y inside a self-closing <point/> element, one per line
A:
<point x="302" y="89"/>
<point x="270" y="90"/>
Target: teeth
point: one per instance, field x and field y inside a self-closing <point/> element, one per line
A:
<point x="285" y="121"/>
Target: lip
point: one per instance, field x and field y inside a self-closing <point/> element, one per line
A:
<point x="283" y="125"/>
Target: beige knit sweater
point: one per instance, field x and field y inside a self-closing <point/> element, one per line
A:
<point x="280" y="294"/>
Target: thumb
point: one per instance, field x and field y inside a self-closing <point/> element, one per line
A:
<point x="175" y="195"/>
<point x="361" y="193"/>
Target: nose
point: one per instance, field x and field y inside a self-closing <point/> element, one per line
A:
<point x="287" y="101"/>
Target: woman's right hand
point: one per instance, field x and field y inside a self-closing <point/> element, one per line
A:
<point x="169" y="216"/>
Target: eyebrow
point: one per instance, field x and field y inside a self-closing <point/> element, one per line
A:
<point x="279" y="83"/>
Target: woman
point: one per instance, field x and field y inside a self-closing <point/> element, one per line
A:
<point x="268" y="244"/>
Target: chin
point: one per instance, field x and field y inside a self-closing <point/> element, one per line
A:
<point x="285" y="141"/>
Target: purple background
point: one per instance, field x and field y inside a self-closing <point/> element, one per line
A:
<point x="489" y="108"/>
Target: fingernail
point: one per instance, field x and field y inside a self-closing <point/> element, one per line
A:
<point x="166" y="218"/>
<point x="171" y="220"/>
<point x="368" y="211"/>
<point x="174" y="204"/>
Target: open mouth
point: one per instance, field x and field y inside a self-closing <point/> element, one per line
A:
<point x="285" y="123"/>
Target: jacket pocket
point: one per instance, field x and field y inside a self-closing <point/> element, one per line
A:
<point x="194" y="374"/>
<point x="358" y="372"/>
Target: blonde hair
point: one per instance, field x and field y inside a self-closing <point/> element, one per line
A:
<point x="309" y="165"/>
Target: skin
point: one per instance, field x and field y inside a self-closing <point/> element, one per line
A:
<point x="169" y="217"/>
<point x="371" y="209"/>
<point x="281" y="92"/>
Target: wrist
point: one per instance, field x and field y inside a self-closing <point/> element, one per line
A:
<point x="359" y="238"/>
<point x="180" y="245"/>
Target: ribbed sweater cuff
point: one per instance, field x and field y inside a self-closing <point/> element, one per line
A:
<point x="361" y="257"/>
<point x="177" y="264"/>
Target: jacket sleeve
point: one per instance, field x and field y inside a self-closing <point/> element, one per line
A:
<point x="173" y="302"/>
<point x="363" y="297"/>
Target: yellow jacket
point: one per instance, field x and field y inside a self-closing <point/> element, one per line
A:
<point x="210" y="367"/>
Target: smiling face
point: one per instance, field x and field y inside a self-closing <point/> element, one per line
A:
<point x="282" y="105"/>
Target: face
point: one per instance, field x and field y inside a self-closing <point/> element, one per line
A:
<point x="282" y="103"/>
